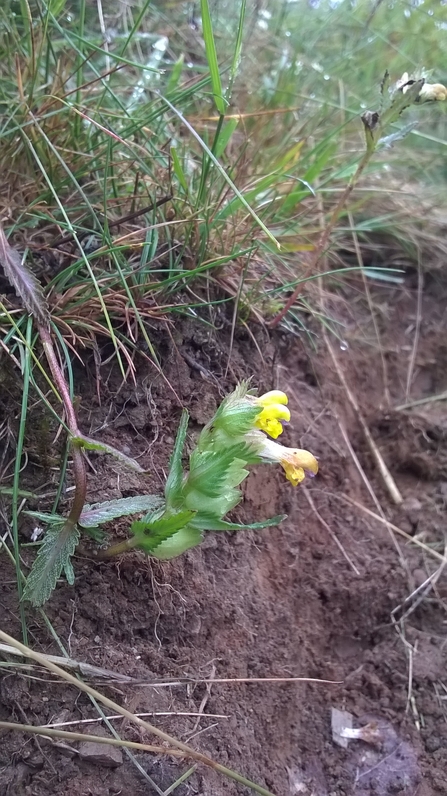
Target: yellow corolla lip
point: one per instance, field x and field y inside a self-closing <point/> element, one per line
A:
<point x="432" y="92"/>
<point x="270" y="419"/>
<point x="295" y="461"/>
<point x="272" y="397"/>
<point x="274" y="412"/>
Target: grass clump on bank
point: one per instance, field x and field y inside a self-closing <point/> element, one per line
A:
<point x="136" y="191"/>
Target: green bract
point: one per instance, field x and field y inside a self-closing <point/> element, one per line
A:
<point x="210" y="488"/>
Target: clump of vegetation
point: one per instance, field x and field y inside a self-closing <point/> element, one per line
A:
<point x="130" y="200"/>
<point x="194" y="501"/>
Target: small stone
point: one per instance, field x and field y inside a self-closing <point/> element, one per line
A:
<point x="432" y="743"/>
<point x="411" y="504"/>
<point x="100" y="754"/>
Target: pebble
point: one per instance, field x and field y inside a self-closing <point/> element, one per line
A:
<point x="100" y="753"/>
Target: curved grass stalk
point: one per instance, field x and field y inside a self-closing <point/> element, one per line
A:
<point x="186" y="750"/>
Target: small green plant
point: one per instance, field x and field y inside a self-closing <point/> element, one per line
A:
<point x="394" y="100"/>
<point x="195" y="500"/>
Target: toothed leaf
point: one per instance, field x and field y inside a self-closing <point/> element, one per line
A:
<point x="206" y="522"/>
<point x="25" y="284"/>
<point x="53" y="558"/>
<point x="102" y="447"/>
<point x="151" y="533"/>
<point x="175" y="477"/>
<point x="97" y="513"/>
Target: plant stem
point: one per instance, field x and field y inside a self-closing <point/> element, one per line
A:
<point x="118" y="548"/>
<point x="79" y="470"/>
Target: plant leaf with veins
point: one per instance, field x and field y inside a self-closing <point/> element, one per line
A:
<point x="25" y="284"/>
<point x="102" y="447"/>
<point x="97" y="513"/>
<point x="53" y="558"/>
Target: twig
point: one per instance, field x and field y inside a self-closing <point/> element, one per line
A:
<point x="388" y="479"/>
<point x="421" y="401"/>
<point x="417" y="329"/>
<point x="328" y="529"/>
<point x="412" y="539"/>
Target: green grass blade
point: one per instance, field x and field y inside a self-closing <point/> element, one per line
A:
<point x="26" y="365"/>
<point x="210" y="49"/>
<point x="237" y="52"/>
<point x="222" y="171"/>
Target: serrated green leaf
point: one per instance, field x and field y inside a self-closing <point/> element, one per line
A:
<point x="25" y="284"/>
<point x="98" y="513"/>
<point x="102" y="447"/>
<point x="178" y="543"/>
<point x="49" y="519"/>
<point x="211" y="472"/>
<point x="167" y="523"/>
<point x="205" y="522"/>
<point x="150" y="534"/>
<point x="175" y="477"/>
<point x="53" y="558"/>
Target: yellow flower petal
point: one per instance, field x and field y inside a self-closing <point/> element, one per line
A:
<point x="294" y="474"/>
<point x="270" y="425"/>
<point x="294" y="461"/>
<point x="432" y="92"/>
<point x="269" y="419"/>
<point x="273" y="397"/>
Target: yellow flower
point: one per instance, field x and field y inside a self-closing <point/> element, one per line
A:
<point x="432" y="92"/>
<point x="273" y="412"/>
<point x="295" y="462"/>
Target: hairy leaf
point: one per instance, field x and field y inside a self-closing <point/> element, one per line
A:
<point x="25" y="284"/>
<point x="211" y="472"/>
<point x="53" y="558"/>
<point x="102" y="447"/>
<point x="175" y="477"/>
<point x="151" y="534"/>
<point x="50" y="519"/>
<point x="206" y="522"/>
<point x="97" y="513"/>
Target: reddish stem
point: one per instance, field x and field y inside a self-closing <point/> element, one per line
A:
<point x="79" y="471"/>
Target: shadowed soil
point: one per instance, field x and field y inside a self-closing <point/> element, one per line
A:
<point x="317" y="597"/>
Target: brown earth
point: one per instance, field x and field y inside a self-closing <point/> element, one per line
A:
<point x="317" y="597"/>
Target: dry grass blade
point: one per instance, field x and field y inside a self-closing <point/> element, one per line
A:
<point x="79" y="736"/>
<point x="23" y="281"/>
<point x="331" y="533"/>
<point x="86" y="669"/>
<point x="178" y="745"/>
<point x="388" y="479"/>
<point x="412" y="539"/>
